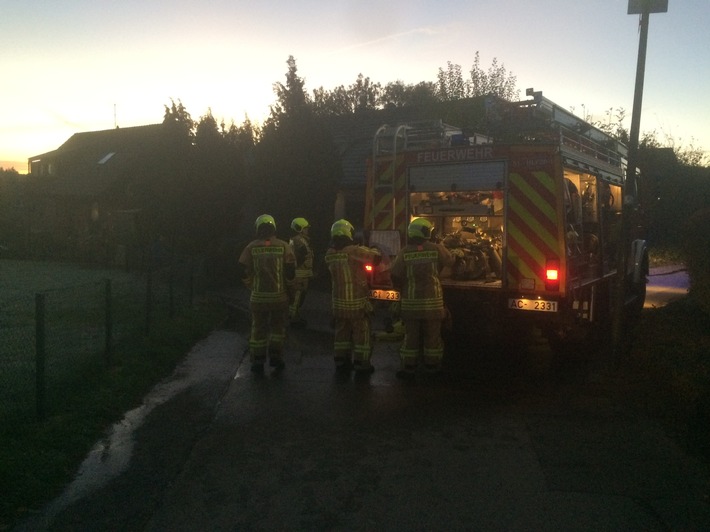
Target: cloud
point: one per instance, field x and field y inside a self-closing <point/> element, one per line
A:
<point x="426" y="32"/>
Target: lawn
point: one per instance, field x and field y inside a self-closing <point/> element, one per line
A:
<point x="85" y="391"/>
<point x="668" y="371"/>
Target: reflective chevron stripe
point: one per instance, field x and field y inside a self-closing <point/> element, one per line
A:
<point x="388" y="207"/>
<point x="532" y="227"/>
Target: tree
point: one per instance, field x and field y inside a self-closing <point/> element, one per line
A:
<point x="688" y="155"/>
<point x="243" y="138"/>
<point x="364" y="93"/>
<point x="208" y="136"/>
<point x="496" y="81"/>
<point x="291" y="98"/>
<point x="11" y="213"/>
<point x="178" y="122"/>
<point x="296" y="165"/>
<point x="451" y="84"/>
<point x="337" y="102"/>
<point x="361" y="95"/>
<point x="613" y="125"/>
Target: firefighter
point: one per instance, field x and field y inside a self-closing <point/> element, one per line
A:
<point x="301" y="244"/>
<point x="415" y="272"/>
<point x="351" y="308"/>
<point x="266" y="265"/>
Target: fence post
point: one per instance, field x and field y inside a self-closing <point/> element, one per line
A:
<point x="148" y="301"/>
<point x="171" y="291"/>
<point x="109" y="324"/>
<point x="40" y="355"/>
<point x="191" y="289"/>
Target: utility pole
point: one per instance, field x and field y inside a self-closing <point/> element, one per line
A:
<point x="630" y="200"/>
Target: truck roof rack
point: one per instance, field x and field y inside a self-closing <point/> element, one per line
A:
<point x="535" y="120"/>
<point x="575" y="135"/>
<point x="412" y="136"/>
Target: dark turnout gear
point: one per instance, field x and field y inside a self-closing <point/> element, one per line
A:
<point x="415" y="272"/>
<point x="267" y="265"/>
<point x="350" y="305"/>
<point x="301" y="244"/>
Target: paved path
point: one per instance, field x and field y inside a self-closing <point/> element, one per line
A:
<point x="517" y="448"/>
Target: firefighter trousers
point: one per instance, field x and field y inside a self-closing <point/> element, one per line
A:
<point x="268" y="333"/>
<point x="353" y="342"/>
<point x="298" y="296"/>
<point x="422" y="335"/>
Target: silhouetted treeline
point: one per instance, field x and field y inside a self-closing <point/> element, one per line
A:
<point x="210" y="180"/>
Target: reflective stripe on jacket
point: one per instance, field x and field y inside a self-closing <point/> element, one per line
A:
<point x="301" y="246"/>
<point x="349" y="279"/>
<point x="264" y="262"/>
<point x="417" y="269"/>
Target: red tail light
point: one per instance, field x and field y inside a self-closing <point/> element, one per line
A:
<point x="552" y="274"/>
<point x="369" y="268"/>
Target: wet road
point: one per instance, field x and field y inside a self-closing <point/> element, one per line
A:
<point x="504" y="441"/>
<point x="666" y="284"/>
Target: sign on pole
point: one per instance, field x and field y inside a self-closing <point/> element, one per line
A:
<point x="636" y="7"/>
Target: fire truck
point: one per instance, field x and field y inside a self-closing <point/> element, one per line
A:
<point x="531" y="210"/>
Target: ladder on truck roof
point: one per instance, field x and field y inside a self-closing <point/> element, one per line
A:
<point x="583" y="145"/>
<point x="389" y="140"/>
<point x="392" y="140"/>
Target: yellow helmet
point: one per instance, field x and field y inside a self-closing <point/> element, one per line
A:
<point x="420" y="228"/>
<point x="299" y="224"/>
<point x="342" y="228"/>
<point x="265" y="219"/>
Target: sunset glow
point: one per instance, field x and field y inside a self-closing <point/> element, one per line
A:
<point x="83" y="66"/>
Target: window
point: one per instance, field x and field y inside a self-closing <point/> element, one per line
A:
<point x="106" y="157"/>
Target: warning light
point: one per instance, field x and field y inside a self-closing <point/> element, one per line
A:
<point x="552" y="274"/>
<point x="370" y="274"/>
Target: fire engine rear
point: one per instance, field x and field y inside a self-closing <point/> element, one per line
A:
<point x="531" y="212"/>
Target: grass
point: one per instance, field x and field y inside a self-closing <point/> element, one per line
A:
<point x="668" y="371"/>
<point x="38" y="459"/>
<point x="663" y="256"/>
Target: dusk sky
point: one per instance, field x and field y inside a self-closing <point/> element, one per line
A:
<point x="71" y="66"/>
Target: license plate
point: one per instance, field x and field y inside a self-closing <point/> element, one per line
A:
<point x="387" y="295"/>
<point x="536" y="305"/>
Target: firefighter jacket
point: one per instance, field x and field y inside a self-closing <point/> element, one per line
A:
<point x="265" y="264"/>
<point x="349" y="279"/>
<point x="416" y="272"/>
<point x="301" y="246"/>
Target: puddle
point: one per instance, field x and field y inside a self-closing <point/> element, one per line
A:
<point x="111" y="455"/>
<point x="666" y="285"/>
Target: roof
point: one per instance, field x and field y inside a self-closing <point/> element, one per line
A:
<point x="88" y="163"/>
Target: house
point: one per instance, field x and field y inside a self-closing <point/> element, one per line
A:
<point x="88" y="198"/>
<point x="81" y="196"/>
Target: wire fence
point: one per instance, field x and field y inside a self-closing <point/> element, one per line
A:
<point x="53" y="339"/>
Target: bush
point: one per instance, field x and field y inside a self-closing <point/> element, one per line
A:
<point x="696" y="251"/>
